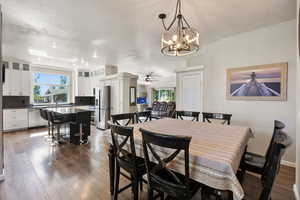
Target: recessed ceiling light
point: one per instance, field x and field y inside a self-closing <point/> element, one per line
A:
<point x="54" y="45"/>
<point x="86" y="64"/>
<point x="82" y="61"/>
<point x="95" y="55"/>
<point x="39" y="59"/>
<point x="74" y="60"/>
<point x="35" y="52"/>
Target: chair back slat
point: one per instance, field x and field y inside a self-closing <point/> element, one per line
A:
<point x="191" y="114"/>
<point x="127" y="117"/>
<point x="142" y="117"/>
<point x="173" y="144"/>
<point x="219" y="116"/>
<point x="281" y="142"/>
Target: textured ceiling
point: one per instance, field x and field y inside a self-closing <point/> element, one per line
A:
<point x="124" y="32"/>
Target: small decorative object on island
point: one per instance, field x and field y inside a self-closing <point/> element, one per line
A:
<point x="261" y="82"/>
<point x="178" y="40"/>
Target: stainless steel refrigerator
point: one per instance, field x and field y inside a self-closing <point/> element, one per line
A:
<point x="2" y="73"/>
<point x="102" y="107"/>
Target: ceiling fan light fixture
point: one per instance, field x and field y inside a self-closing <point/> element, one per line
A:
<point x="180" y="40"/>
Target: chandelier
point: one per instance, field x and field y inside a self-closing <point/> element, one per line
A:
<point x="178" y="40"/>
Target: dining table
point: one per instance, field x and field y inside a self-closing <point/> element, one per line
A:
<point x="215" y="151"/>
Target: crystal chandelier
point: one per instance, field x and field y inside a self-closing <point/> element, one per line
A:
<point x="178" y="40"/>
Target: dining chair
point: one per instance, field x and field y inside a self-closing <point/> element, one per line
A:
<point x="142" y="117"/>
<point x="161" y="178"/>
<point x="256" y="163"/>
<point x="225" y="118"/>
<point x="272" y="167"/>
<point x="126" y="159"/>
<point x="193" y="115"/>
<point x="123" y="119"/>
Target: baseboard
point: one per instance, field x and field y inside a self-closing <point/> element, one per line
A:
<point x="296" y="192"/>
<point x="288" y="163"/>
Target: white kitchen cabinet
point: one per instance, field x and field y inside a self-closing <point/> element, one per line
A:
<point x="17" y="79"/>
<point x="26" y="80"/>
<point x="8" y="79"/>
<point x="35" y="119"/>
<point x="84" y="84"/>
<point x="14" y="119"/>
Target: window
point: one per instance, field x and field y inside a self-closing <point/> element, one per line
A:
<point x="50" y="88"/>
<point x="164" y="94"/>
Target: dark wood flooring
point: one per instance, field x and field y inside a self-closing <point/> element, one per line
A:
<point x="36" y="171"/>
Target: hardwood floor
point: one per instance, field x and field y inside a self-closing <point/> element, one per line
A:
<point x="36" y="171"/>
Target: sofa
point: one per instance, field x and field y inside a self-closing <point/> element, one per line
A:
<point x="162" y="109"/>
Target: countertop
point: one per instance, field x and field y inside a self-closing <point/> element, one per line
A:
<point x="68" y="110"/>
<point x="91" y="108"/>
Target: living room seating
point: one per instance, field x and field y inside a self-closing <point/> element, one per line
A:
<point x="162" y="109"/>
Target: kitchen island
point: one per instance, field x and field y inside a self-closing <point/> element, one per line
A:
<point x="79" y="120"/>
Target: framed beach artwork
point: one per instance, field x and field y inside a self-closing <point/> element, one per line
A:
<point x="261" y="82"/>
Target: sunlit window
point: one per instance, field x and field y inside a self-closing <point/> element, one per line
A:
<point x="164" y="94"/>
<point x="50" y="88"/>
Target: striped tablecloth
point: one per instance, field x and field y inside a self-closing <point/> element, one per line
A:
<point x="215" y="150"/>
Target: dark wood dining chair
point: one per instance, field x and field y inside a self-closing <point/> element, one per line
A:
<point x="126" y="159"/>
<point x="272" y="167"/>
<point x="225" y="118"/>
<point x="256" y="163"/>
<point x="162" y="179"/>
<point x="142" y="117"/>
<point x="123" y="119"/>
<point x="193" y="115"/>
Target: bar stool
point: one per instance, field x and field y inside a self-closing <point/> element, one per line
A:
<point x="55" y="122"/>
<point x="44" y="115"/>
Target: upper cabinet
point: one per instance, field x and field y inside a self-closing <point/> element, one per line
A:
<point x="26" y="80"/>
<point x="84" y="84"/>
<point x="17" y="79"/>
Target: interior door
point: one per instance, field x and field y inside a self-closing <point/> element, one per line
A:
<point x="191" y="92"/>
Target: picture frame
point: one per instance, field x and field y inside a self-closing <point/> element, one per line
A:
<point x="132" y="96"/>
<point x="261" y="82"/>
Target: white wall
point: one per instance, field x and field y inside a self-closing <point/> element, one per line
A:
<point x="298" y="112"/>
<point x="262" y="46"/>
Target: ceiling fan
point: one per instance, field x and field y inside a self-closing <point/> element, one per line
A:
<point x="150" y="77"/>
